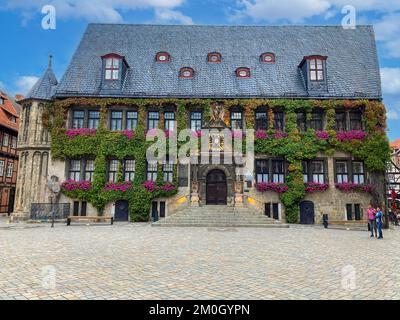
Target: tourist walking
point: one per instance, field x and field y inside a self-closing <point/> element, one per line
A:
<point x="378" y="218"/>
<point x="372" y="222"/>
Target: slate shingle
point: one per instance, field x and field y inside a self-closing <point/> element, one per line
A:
<point x="352" y="65"/>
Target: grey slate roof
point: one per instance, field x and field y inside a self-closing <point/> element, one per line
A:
<point x="352" y="64"/>
<point x="45" y="87"/>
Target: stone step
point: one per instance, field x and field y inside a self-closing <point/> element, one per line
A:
<point x="221" y="225"/>
<point x="219" y="220"/>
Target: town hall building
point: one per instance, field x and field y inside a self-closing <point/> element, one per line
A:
<point x="310" y="95"/>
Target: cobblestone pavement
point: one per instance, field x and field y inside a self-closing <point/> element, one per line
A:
<point x="136" y="261"/>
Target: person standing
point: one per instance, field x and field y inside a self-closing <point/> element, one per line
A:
<point x="372" y="222"/>
<point x="378" y="218"/>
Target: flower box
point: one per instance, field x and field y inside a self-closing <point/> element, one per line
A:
<point x="271" y="186"/>
<point x="312" y="187"/>
<point x="72" y="133"/>
<point x="71" y="185"/>
<point x="349" y="187"/>
<point x="351" y="135"/>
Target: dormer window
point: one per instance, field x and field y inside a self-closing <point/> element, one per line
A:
<point x="112" y="66"/>
<point x="243" y="72"/>
<point x="187" y="73"/>
<point x="316" y="67"/>
<point x="1" y="100"/>
<point x="163" y="57"/>
<point x="268" y="57"/>
<point x="214" y="57"/>
<point x="316" y="70"/>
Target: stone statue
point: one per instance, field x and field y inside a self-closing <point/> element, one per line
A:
<point x="55" y="189"/>
<point x="217" y="113"/>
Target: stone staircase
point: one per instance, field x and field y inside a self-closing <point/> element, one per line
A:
<point x="220" y="217"/>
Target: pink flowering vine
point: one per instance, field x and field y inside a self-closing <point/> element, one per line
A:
<point x="71" y="133"/>
<point x="149" y="186"/>
<point x="349" y="186"/>
<point x="272" y="186"/>
<point x="262" y="134"/>
<point x="118" y="186"/>
<point x="312" y="187"/>
<point x="128" y="133"/>
<point x="71" y="185"/>
<point x="351" y="135"/>
<point x="322" y="135"/>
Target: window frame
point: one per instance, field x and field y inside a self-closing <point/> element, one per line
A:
<point x="279" y="121"/>
<point x="132" y="120"/>
<point x="6" y="140"/>
<point x="74" y="118"/>
<point x="358" y="121"/>
<point x="182" y="73"/>
<point x="93" y="122"/>
<point x="168" y="170"/>
<point x="280" y="174"/>
<point x="317" y="120"/>
<point x="116" y="120"/>
<point x="161" y="54"/>
<point x="261" y="124"/>
<point x="151" y="175"/>
<point x="111" y="171"/>
<point x="74" y="172"/>
<point x="236" y="121"/>
<point x="262" y="171"/>
<point x="197" y="121"/>
<point x="129" y="175"/>
<point x="214" y="54"/>
<point x="113" y="69"/>
<point x="154" y="121"/>
<point x="358" y="175"/>
<point x="267" y="54"/>
<point x="239" y="71"/>
<point x="342" y="174"/>
<point x="169" y="121"/>
<point x="316" y="69"/>
<point x="87" y="172"/>
<point x="2" y="165"/>
<point x="319" y="174"/>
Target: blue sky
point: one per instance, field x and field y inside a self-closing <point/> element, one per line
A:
<point x="25" y="46"/>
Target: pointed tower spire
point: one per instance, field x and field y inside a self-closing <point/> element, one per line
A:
<point x="50" y="61"/>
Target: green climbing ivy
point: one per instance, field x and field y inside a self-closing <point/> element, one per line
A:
<point x="373" y="150"/>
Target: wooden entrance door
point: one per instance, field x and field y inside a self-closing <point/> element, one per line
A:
<point x="216" y="191"/>
<point x="307" y="214"/>
<point x="121" y="211"/>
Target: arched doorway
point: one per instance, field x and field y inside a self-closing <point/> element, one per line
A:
<point x="307" y="214"/>
<point x="216" y="192"/>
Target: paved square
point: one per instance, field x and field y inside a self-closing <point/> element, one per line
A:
<point x="136" y="261"/>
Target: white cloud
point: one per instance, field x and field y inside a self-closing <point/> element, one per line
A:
<point x="100" y="10"/>
<point x="390" y="81"/>
<point x="2" y="86"/>
<point x="25" y="83"/>
<point x="299" y="10"/>
<point x="172" y="16"/>
<point x="393" y="114"/>
<point x="387" y="31"/>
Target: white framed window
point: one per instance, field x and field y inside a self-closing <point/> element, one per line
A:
<point x="6" y="139"/>
<point x="1" y="168"/>
<point x="10" y="169"/>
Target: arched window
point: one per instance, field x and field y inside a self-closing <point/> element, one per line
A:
<point x="267" y="57"/>
<point x="214" y="57"/>
<point x="187" y="73"/>
<point x="163" y="57"/>
<point x="243" y="72"/>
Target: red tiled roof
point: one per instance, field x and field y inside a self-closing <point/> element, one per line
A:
<point x="7" y="110"/>
<point x="395" y="144"/>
